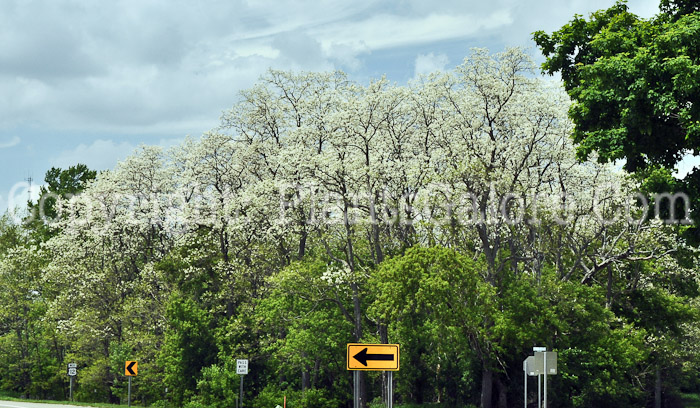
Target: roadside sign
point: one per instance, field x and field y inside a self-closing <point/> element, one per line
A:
<point x="539" y="362"/>
<point x="72" y="365"/>
<point x="242" y="366"/>
<point x="373" y="357"/>
<point x="531" y="367"/>
<point x="551" y="366"/>
<point x="131" y="368"/>
<point x="551" y="362"/>
<point x="72" y="372"/>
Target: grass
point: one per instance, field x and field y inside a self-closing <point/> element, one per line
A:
<point x="380" y="405"/>
<point x="83" y="404"/>
<point x="433" y="405"/>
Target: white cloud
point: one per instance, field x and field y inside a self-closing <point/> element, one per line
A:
<point x="388" y="31"/>
<point x="10" y="143"/>
<point x="101" y="154"/>
<point x="429" y="63"/>
<point x="138" y="73"/>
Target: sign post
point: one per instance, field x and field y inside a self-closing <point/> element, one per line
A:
<point x="356" y="389"/>
<point x="373" y="357"/>
<point x="72" y="372"/>
<point x="131" y="369"/>
<point x="242" y="370"/>
<point x="543" y="363"/>
<point x="390" y="390"/>
<point x="525" y="381"/>
<point x="545" y="380"/>
<point x="532" y="369"/>
<point x="539" y="363"/>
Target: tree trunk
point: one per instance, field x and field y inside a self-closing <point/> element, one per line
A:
<point x="502" y="394"/>
<point x="302" y="244"/>
<point x="608" y="295"/>
<point x="305" y="379"/>
<point x="486" y="387"/>
<point x="357" y="314"/>
<point x="305" y="375"/>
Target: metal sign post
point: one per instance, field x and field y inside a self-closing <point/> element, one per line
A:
<point x="539" y="363"/>
<point x="544" y="363"/>
<point x="539" y="391"/>
<point x="545" y="380"/>
<point x="242" y="370"/>
<point x="525" y="381"/>
<point x="131" y="369"/>
<point x="72" y="372"/>
<point x="356" y="389"/>
<point x="390" y="390"/>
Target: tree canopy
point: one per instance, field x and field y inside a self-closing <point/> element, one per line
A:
<point x="635" y="82"/>
<point x="450" y="215"/>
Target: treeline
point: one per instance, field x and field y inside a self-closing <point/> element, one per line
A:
<point x="449" y="215"/>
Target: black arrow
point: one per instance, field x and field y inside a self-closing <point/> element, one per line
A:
<point x="128" y="368"/>
<point x="363" y="357"/>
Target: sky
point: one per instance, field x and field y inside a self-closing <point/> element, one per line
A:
<point x="87" y="82"/>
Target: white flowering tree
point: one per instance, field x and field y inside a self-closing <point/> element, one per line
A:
<point x="310" y="171"/>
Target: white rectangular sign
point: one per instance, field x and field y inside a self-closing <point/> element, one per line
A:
<point x="72" y="365"/>
<point x="242" y="367"/>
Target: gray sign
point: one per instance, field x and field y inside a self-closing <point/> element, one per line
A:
<point x="551" y="363"/>
<point x="531" y="367"/>
<point x="551" y="366"/>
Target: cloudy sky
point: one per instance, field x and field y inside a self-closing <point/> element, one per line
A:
<point x="84" y="81"/>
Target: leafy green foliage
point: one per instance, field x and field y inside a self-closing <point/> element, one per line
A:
<point x="187" y="347"/>
<point x="634" y="82"/>
<point x="60" y="184"/>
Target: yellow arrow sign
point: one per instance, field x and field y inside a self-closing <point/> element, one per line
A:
<point x="373" y="357"/>
<point x="131" y="368"/>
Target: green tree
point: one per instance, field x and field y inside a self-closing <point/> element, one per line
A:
<point x="301" y="303"/>
<point x="59" y="184"/>
<point x="444" y="298"/>
<point x="188" y="347"/>
<point x="635" y="82"/>
<point x="450" y="290"/>
<point x="28" y="346"/>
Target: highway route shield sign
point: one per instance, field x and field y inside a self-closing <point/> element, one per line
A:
<point x="373" y="357"/>
<point x="131" y="369"/>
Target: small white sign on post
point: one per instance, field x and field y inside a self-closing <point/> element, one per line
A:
<point x="242" y="367"/>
